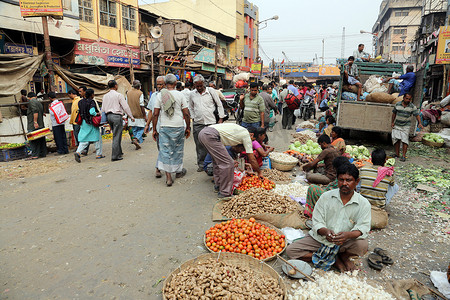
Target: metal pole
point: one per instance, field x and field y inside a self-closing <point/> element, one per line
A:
<point x="323" y="51"/>
<point x="153" y="70"/>
<point x="216" y="58"/>
<point x="48" y="54"/>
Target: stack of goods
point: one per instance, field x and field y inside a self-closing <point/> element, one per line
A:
<point x="306" y="125"/>
<point x="304" y="136"/>
<point x="311" y="148"/>
<point x="331" y="285"/>
<point x="283" y="161"/>
<point x="258" y="201"/>
<point x="358" y="152"/>
<point x="303" y="158"/>
<point x="34" y="135"/>
<point x="295" y="189"/>
<point x="246" y="237"/>
<point x="213" y="278"/>
<point x="11" y="146"/>
<point x="253" y="181"/>
<point x="275" y="175"/>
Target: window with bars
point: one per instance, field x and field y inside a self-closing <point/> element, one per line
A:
<point x="108" y="13"/>
<point x="399" y="47"/>
<point x="400" y="31"/>
<point x="129" y="18"/>
<point x="86" y="11"/>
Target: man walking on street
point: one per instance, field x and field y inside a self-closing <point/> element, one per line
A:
<point x="269" y="105"/>
<point x="288" y="114"/>
<point x="58" y="116"/>
<point x="114" y="105"/>
<point x="202" y="104"/>
<point x="35" y="118"/>
<point x="74" y="112"/>
<point x="401" y="123"/>
<point x="254" y="107"/>
<point x="135" y="99"/>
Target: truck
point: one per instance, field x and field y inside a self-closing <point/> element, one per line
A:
<point x="361" y="115"/>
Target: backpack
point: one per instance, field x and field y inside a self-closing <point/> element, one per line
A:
<point x="292" y="101"/>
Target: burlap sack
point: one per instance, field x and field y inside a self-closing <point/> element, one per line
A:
<point x="399" y="288"/>
<point x="379" y="218"/>
<point x="380" y="98"/>
<point x="350" y="88"/>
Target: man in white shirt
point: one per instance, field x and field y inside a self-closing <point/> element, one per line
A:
<point x="203" y="102"/>
<point x="360" y="54"/>
<point x="58" y="118"/>
<point x="187" y="91"/>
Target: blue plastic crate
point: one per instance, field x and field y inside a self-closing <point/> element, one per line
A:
<point x="13" y="154"/>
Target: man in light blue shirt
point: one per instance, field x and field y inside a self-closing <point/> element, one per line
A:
<point x="292" y="88"/>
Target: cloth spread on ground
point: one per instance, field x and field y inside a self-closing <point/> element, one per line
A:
<point x="168" y="102"/>
<point x="325" y="257"/>
<point x="18" y="69"/>
<point x="383" y="172"/>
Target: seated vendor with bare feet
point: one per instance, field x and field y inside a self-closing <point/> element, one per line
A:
<point x="340" y="223"/>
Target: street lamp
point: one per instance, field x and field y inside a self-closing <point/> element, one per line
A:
<point x="376" y="39"/>
<point x="257" y="33"/>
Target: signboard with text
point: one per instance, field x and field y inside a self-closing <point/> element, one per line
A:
<point x="39" y="8"/>
<point x="256" y="68"/>
<point x="210" y="68"/>
<point x="206" y="55"/>
<point x="11" y="48"/>
<point x="104" y="54"/>
<point x="443" y="51"/>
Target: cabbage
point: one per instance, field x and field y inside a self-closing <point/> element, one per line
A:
<point x="297" y="144"/>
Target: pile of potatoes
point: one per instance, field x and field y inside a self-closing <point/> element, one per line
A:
<point x="212" y="279"/>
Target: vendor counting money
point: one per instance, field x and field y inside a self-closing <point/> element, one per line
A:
<point x="341" y="220"/>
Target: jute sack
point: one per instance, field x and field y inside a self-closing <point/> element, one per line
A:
<point x="380" y="98"/>
<point x="350" y="88"/>
<point x="379" y="218"/>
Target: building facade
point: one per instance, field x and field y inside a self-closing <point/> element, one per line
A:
<point x="396" y="27"/>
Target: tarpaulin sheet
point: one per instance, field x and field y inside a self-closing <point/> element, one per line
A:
<point x="16" y="70"/>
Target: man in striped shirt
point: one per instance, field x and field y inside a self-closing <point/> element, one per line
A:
<point x="381" y="194"/>
<point x="401" y="123"/>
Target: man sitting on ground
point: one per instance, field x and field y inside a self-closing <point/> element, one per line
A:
<point x="377" y="182"/>
<point x="340" y="223"/>
<point x="328" y="154"/>
<point x="404" y="87"/>
<point x="351" y="76"/>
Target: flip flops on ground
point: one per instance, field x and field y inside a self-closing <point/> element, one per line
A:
<point x="374" y="261"/>
<point x="385" y="259"/>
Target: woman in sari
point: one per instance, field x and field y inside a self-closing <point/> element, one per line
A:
<point x="336" y="139"/>
<point x="88" y="132"/>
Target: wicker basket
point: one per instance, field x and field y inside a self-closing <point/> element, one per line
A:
<point x="282" y="165"/>
<point x="262" y="223"/>
<point x="436" y="127"/>
<point x="432" y="144"/>
<point x="231" y="258"/>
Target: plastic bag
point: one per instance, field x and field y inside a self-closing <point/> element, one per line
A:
<point x="297" y="113"/>
<point x="266" y="163"/>
<point x="238" y="175"/>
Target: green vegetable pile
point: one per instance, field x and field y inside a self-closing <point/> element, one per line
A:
<point x="413" y="175"/>
<point x="433" y="137"/>
<point x="310" y="148"/>
<point x="358" y="152"/>
<point x="390" y="162"/>
<point x="11" y="145"/>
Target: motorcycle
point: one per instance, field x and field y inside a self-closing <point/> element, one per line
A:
<point x="307" y="107"/>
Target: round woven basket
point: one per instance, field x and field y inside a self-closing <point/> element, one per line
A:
<point x="432" y="144"/>
<point x="231" y="258"/>
<point x="282" y="165"/>
<point x="262" y="223"/>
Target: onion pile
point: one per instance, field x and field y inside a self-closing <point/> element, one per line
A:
<point x="283" y="157"/>
<point x="295" y="189"/>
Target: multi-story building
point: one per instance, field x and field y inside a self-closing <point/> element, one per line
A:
<point x="396" y="27"/>
<point x="235" y="23"/>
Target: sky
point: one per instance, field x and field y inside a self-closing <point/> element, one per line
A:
<point x="302" y="25"/>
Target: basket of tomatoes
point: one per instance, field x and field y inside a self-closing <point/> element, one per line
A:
<point x="252" y="181"/>
<point x="260" y="240"/>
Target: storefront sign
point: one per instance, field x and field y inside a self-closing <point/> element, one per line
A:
<point x="329" y="71"/>
<point x="10" y="48"/>
<point x="210" y="68"/>
<point x="256" y="68"/>
<point x="37" y="8"/>
<point x="443" y="51"/>
<point x="206" y="55"/>
<point x="204" y="36"/>
<point x="103" y="54"/>
<point x="245" y="69"/>
<point x="228" y="76"/>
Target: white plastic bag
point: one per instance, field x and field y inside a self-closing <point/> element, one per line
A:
<point x="292" y="234"/>
<point x="439" y="280"/>
<point x="297" y="113"/>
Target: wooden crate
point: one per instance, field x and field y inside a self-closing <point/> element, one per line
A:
<point x="13" y="154"/>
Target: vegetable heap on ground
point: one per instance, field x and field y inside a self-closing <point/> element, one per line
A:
<point x="283" y="157"/>
<point x="246" y="237"/>
<point x="295" y="189"/>
<point x="253" y="181"/>
<point x="358" y="152"/>
<point x="310" y="148"/>
<point x="258" y="201"/>
<point x="433" y="137"/>
<point x="304" y="136"/>
<point x="275" y="175"/>
<point x="414" y="175"/>
<point x="302" y="157"/>
<point x="212" y="279"/>
<point x="11" y="145"/>
<point x="331" y="285"/>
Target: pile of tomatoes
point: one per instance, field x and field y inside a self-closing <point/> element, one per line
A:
<point x="246" y="237"/>
<point x="251" y="181"/>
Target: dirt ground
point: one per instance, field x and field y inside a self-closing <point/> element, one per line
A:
<point x="111" y="230"/>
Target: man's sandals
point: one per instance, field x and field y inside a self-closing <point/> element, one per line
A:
<point x="379" y="257"/>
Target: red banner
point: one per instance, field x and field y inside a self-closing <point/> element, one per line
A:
<point x="104" y="54"/>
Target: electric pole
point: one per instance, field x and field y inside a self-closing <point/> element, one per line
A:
<point x="48" y="55"/>
<point x="343" y="43"/>
<point x="323" y="51"/>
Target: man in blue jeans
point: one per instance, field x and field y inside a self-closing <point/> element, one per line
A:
<point x="254" y="107"/>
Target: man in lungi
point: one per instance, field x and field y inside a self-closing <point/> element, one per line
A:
<point x="215" y="138"/>
<point x="401" y="123"/>
<point x="351" y="75"/>
<point x="340" y="224"/>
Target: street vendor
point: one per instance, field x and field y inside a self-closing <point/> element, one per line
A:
<point x="408" y="81"/>
<point x="35" y="121"/>
<point x="328" y="154"/>
<point x="360" y="54"/>
<point x="340" y="224"/>
<point x="336" y="139"/>
<point x="351" y="75"/>
<point x="377" y="181"/>
<point x="401" y="123"/>
<point x="215" y="138"/>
